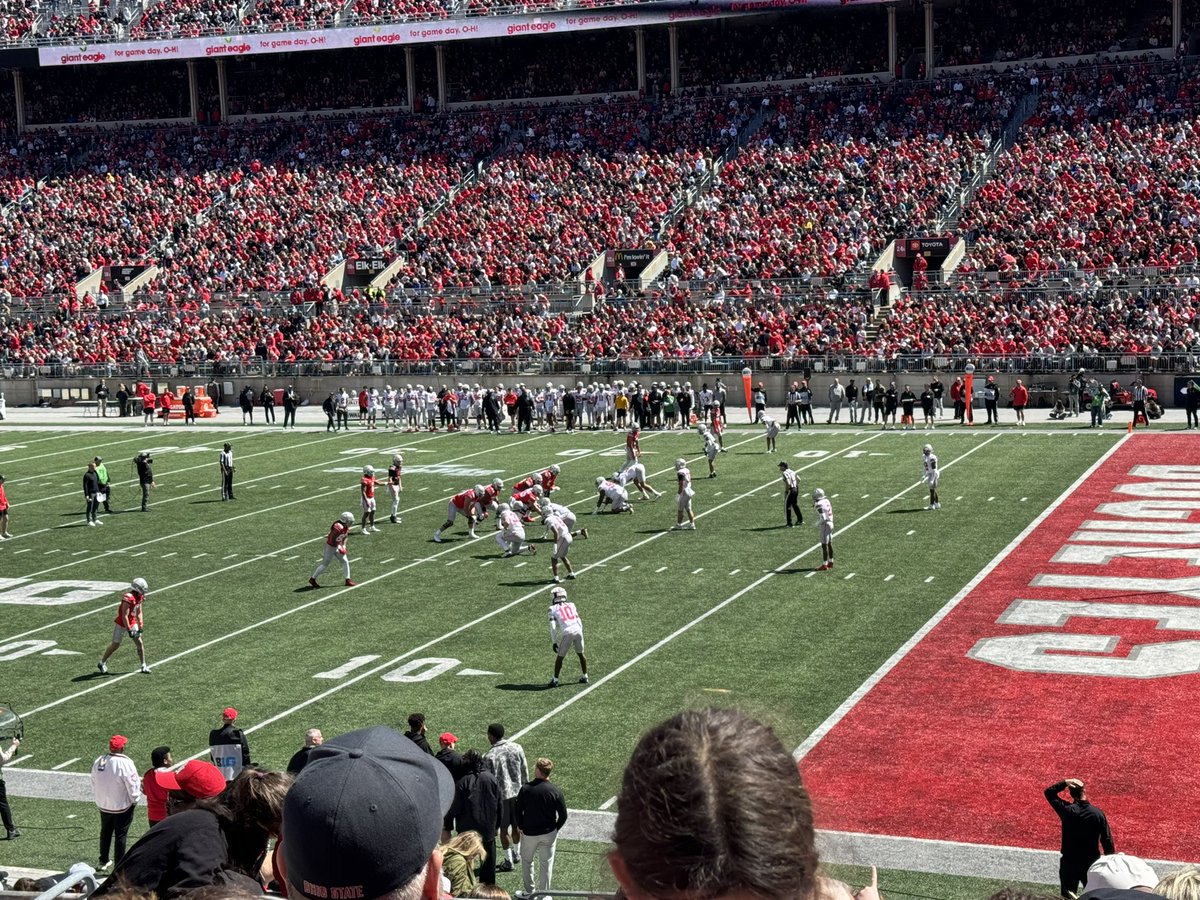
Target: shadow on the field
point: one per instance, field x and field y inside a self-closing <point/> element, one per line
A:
<point x="905" y="512"/>
<point x="768" y="528"/>
<point x="797" y="571"/>
<point x="213" y="500"/>
<point x="90" y="676"/>
<point x="543" y="686"/>
<point x="535" y="582"/>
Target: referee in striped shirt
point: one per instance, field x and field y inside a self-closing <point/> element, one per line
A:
<point x="792" y="494"/>
<point x="1139" y="403"/>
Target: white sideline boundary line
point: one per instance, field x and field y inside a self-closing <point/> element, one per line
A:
<point x="892" y="661"/>
<point x="838" y="847"/>
<point x="284" y="614"/>
<point x="758" y="582"/>
<point x="341" y="685"/>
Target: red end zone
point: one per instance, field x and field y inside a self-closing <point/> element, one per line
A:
<point x="1077" y="656"/>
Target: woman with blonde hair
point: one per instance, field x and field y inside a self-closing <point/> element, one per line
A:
<point x="461" y="855"/>
<point x="1181" y="885"/>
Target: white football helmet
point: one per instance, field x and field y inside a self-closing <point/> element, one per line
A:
<point x="398" y="460"/>
<point x="818" y="494"/>
<point x="680" y="463"/>
<point x="599" y="480"/>
<point x="347" y="518"/>
<point x="504" y="507"/>
<point x="497" y="483"/>
<point x="558" y="594"/>
<point x="928" y="448"/>
<point x="139" y="585"/>
<point x="615" y="476"/>
<point x="368" y="470"/>
<point x="544" y="504"/>
<point x="479" y="490"/>
<point x="538" y="490"/>
<point x="554" y="469"/>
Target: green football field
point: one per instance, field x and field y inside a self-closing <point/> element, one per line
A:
<point x="733" y="613"/>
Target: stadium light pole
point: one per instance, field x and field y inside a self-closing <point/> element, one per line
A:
<point x="891" y="40"/>
<point x="928" y="39"/>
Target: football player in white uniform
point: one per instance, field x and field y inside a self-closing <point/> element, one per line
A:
<point x="609" y="493"/>
<point x="824" y="528"/>
<point x="566" y="633"/>
<point x="562" y="536"/>
<point x="511" y="536"/>
<point x="772" y="432"/>
<point x="711" y="449"/>
<point x="636" y="473"/>
<point x="932" y="473"/>
<point x="546" y="508"/>
<point x="683" y="497"/>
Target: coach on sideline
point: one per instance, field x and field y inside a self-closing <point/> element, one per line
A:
<point x="1084" y="833"/>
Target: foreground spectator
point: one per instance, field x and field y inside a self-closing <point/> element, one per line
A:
<point x="1181" y="885"/>
<point x="312" y="739"/>
<point x="117" y="789"/>
<point x="541" y="814"/>
<point x="363" y="820"/>
<point x="213" y="834"/>
<point x="712" y="805"/>
<point x="1119" y="877"/>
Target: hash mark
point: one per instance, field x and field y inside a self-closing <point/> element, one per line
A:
<point x="384" y="563"/>
<point x="81" y="552"/>
<point x="833" y="496"/>
<point x="607" y="803"/>
<point x="990" y="499"/>
<point x="718" y="493"/>
<point x="929" y="579"/>
<point x="488" y="563"/>
<point x="889" y="578"/>
<point x="774" y="495"/>
<point x="64" y="765"/>
<point x="48" y="552"/>
<point x="810" y="574"/>
<point x="698" y="571"/>
<point x="735" y="571"/>
<point x="1023" y="499"/>
<point x="626" y="568"/>
<point x="290" y="558"/>
<point x="198" y="555"/>
<point x="276" y="487"/>
<point x="143" y="553"/>
<point x="958" y="498"/>
<point x="523" y="562"/>
<point x="660" y="569"/>
<point x="454" y="562"/>
<point x="848" y="577"/>
<point x="865" y="496"/>
<point x="26" y="550"/>
<point x="230" y="556"/>
<point x="172" y="553"/>
<point x="914" y="531"/>
<point x="421" y="490"/>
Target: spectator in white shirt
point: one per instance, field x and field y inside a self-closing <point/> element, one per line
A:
<point x="117" y="788"/>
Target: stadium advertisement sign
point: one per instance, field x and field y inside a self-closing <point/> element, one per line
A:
<point x="217" y="46"/>
<point x="1075" y="653"/>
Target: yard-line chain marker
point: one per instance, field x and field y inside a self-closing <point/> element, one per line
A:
<point x="892" y="661"/>
<point x="587" y="689"/>
<point x="203" y="575"/>
<point x="274" y="618"/>
<point x="134" y="487"/>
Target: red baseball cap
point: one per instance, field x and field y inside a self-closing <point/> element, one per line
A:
<point x="447" y="738"/>
<point x="117" y="743"/>
<point x="197" y="778"/>
<point x="230" y="713"/>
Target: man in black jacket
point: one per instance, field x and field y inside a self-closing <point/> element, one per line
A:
<point x="416" y="732"/>
<point x="145" y="470"/>
<point x="312" y="740"/>
<point x="329" y="407"/>
<point x="228" y="746"/>
<point x="1085" y="833"/>
<point x="91" y="493"/>
<point x="476" y="807"/>
<point x="449" y="757"/>
<point x="189" y="406"/>
<point x="541" y="814"/>
<point x="290" y="400"/>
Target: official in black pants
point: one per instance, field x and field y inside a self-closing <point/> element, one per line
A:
<point x="189" y="407"/>
<point x="290" y="399"/>
<point x="226" y="459"/>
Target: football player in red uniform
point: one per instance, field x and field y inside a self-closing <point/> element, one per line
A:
<point x="549" y="477"/>
<point x="335" y="547"/>
<point x="366" y="487"/>
<point x="463" y="503"/>
<point x="526" y="483"/>
<point x="128" y="621"/>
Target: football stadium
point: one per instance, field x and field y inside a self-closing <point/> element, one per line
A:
<point x="598" y="448"/>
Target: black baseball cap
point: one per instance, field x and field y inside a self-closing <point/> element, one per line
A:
<point x="364" y="816"/>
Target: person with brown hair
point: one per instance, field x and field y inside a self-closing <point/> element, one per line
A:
<point x="212" y="835"/>
<point x="460" y="856"/>
<point x="712" y="805"/>
<point x="1085" y="833"/>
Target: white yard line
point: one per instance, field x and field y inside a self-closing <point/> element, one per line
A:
<point x="892" y="661"/>
<point x="758" y="582"/>
<point x="63" y="765"/>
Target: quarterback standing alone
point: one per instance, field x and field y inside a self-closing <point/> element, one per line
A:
<point x="129" y="621"/>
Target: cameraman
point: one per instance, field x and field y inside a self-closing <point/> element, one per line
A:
<point x="145" y="471"/>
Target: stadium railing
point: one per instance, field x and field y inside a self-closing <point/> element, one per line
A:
<point x="629" y="368"/>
